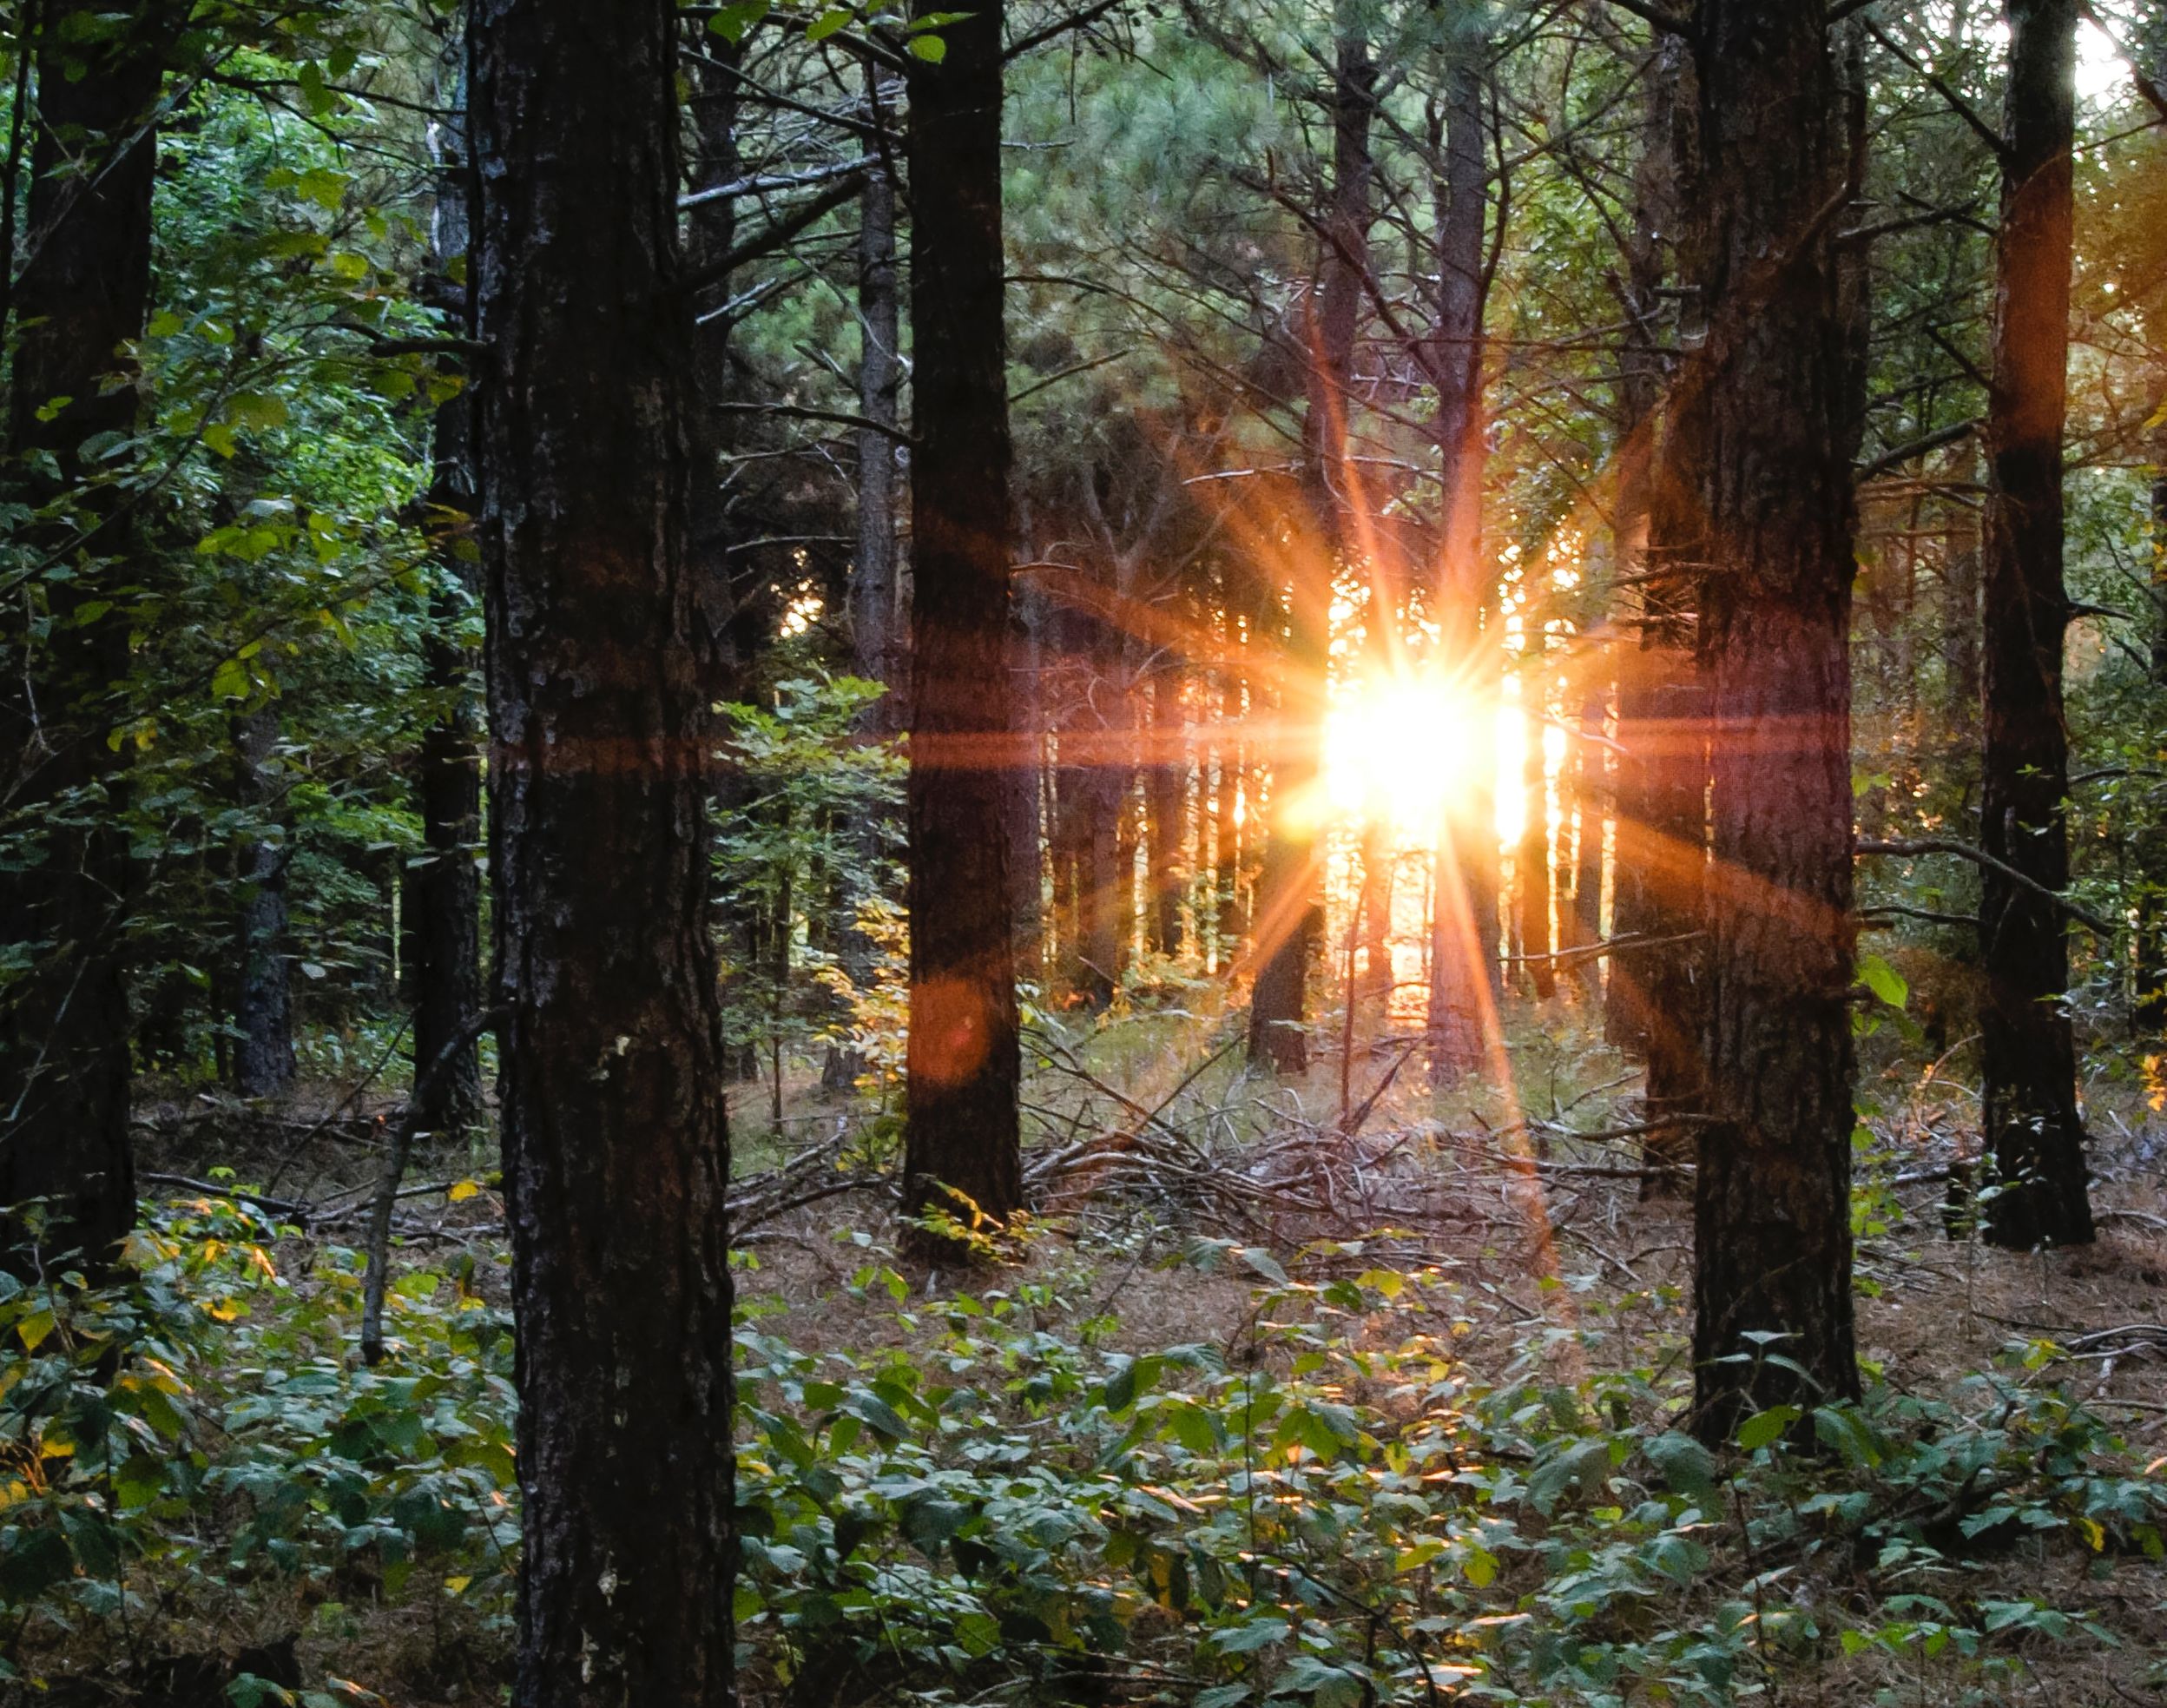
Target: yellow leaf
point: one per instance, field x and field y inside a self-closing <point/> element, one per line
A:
<point x="34" y="1329"/>
<point x="466" y="1190"/>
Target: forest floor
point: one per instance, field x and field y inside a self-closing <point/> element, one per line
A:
<point x="1176" y="1193"/>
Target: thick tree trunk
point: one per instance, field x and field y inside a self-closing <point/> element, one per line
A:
<point x="1290" y="918"/>
<point x="446" y="887"/>
<point x="1463" y="968"/>
<point x="2034" y="1134"/>
<point x="1772" y="1211"/>
<point x="64" y="1055"/>
<point x="615" y="1151"/>
<point x="263" y="1004"/>
<point x="964" y="1062"/>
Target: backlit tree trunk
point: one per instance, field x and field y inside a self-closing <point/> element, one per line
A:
<point x="82" y="296"/>
<point x="2034" y="1135"/>
<point x="1463" y="968"/>
<point x="1772" y="1213"/>
<point x="616" y="1152"/>
<point x="1289" y="914"/>
<point x="964" y="1061"/>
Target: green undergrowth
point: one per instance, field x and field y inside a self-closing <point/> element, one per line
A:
<point x="1326" y="1507"/>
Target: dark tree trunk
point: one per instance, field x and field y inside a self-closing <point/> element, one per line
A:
<point x="2034" y="1135"/>
<point x="964" y="1062"/>
<point x="1225" y="802"/>
<point x="1646" y="902"/>
<point x="873" y="615"/>
<point x="446" y="887"/>
<point x="64" y="1054"/>
<point x="876" y="613"/>
<point x="1290" y="918"/>
<point x="1027" y="784"/>
<point x="1590" y="775"/>
<point x="1463" y="968"/>
<point x="1532" y="871"/>
<point x="1167" y="785"/>
<point x="615" y="1151"/>
<point x="2148" y="1008"/>
<point x="1772" y="1212"/>
<point x="263" y="1004"/>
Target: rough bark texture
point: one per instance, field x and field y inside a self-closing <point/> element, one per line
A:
<point x="963" y="1064"/>
<point x="446" y="887"/>
<point x="616" y="1153"/>
<point x="64" y="1057"/>
<point x="263" y="1000"/>
<point x="875" y="609"/>
<point x="2034" y="1136"/>
<point x="1290" y="917"/>
<point x="1643" y="904"/>
<point x="1463" y="968"/>
<point x="1772" y="1201"/>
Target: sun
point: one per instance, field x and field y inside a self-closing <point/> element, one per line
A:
<point x="1401" y="748"/>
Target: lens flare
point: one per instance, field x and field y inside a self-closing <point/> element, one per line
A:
<point x="1399" y="748"/>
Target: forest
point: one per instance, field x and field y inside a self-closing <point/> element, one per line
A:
<point x="1255" y="854"/>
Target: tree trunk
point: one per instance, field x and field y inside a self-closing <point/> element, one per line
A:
<point x="263" y="1005"/>
<point x="616" y="1149"/>
<point x="873" y="613"/>
<point x="64" y="1055"/>
<point x="446" y="887"/>
<point x="876" y="626"/>
<point x="2029" y="1101"/>
<point x="1166" y="784"/>
<point x="1638" y="898"/>
<point x="1531" y="866"/>
<point x="1290" y="920"/>
<point x="964" y="1062"/>
<point x="2149" y="1007"/>
<point x="1772" y="1212"/>
<point x="1463" y="968"/>
<point x="1590" y="766"/>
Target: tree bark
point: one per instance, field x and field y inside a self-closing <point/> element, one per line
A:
<point x="616" y="1149"/>
<point x="2034" y="1134"/>
<point x="1532" y="872"/>
<point x="1463" y="968"/>
<point x="446" y="887"/>
<point x="263" y="1005"/>
<point x="1772" y="1212"/>
<point x="82" y="297"/>
<point x="1166" y="782"/>
<point x="876" y="610"/>
<point x="1290" y="918"/>
<point x="961" y="1127"/>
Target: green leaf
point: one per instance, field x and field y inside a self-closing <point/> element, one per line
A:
<point x="834" y="19"/>
<point x="1764" y="1428"/>
<point x="732" y="22"/>
<point x="1878" y="976"/>
<point x="931" y="49"/>
<point x="1686" y="1466"/>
